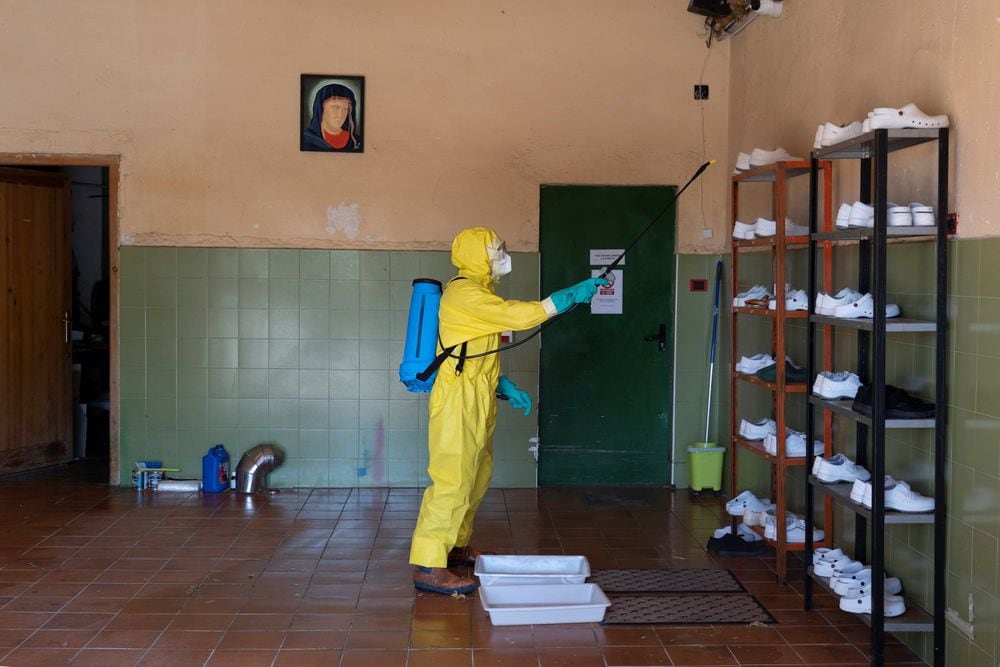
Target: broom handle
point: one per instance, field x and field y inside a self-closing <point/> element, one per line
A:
<point x="711" y="363"/>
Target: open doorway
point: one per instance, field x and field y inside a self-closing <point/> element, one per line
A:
<point x="84" y="380"/>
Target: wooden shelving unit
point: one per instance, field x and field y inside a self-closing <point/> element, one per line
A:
<point x="776" y="176"/>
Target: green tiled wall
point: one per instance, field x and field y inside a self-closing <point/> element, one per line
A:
<point x="298" y="348"/>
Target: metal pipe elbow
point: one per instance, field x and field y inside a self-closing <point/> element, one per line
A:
<point x="254" y="466"/>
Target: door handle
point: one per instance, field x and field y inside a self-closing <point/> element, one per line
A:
<point x="660" y="336"/>
<point x="66" y="323"/>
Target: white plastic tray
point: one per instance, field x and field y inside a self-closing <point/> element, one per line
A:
<point x="539" y="604"/>
<point x="506" y="570"/>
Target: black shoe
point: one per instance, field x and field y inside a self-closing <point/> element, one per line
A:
<point x="899" y="404"/>
<point x="793" y="373"/>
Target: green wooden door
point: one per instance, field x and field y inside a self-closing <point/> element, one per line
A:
<point x="606" y="392"/>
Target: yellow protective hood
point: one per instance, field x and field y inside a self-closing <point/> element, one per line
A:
<point x="470" y="253"/>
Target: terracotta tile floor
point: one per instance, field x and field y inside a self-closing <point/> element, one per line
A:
<point x="92" y="575"/>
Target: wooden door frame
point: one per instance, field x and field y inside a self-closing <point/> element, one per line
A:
<point x="113" y="164"/>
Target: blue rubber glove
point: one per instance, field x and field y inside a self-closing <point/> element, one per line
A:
<point x="517" y="398"/>
<point x="582" y="292"/>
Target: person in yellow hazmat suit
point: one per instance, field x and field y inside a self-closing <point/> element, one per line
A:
<point x="463" y="402"/>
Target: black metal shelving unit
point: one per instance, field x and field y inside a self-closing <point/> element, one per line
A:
<point x="872" y="149"/>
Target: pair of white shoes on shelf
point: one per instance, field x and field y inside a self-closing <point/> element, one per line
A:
<point x="828" y="134"/>
<point x="756" y="293"/>
<point x="838" y="468"/>
<point x="757" y="430"/>
<point x="864" y="308"/>
<point x="850" y="304"/>
<point x="795" y="528"/>
<point x="913" y="215"/>
<point x="826" y="304"/>
<point x="836" y="385"/>
<point x="795" y="300"/>
<point x="852" y="580"/>
<point x="757" y="512"/>
<point x="762" y="227"/>
<point x="759" y="157"/>
<point x="767" y="227"/>
<point x="750" y="365"/>
<point x="861" y="215"/>
<point x="795" y="444"/>
<point x="898" y="496"/>
<point x="856" y="215"/>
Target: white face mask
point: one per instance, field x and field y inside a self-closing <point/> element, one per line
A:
<point x="500" y="261"/>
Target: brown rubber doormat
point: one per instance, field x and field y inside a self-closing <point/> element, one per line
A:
<point x="680" y="580"/>
<point x="742" y="609"/>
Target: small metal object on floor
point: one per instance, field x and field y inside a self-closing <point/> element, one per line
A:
<point x="679" y="580"/>
<point x="741" y="609"/>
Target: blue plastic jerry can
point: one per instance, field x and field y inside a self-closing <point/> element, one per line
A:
<point x="215" y="470"/>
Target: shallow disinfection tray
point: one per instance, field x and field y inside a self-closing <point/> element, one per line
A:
<point x="505" y="570"/>
<point x="538" y="604"/>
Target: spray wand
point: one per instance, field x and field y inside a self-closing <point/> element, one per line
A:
<point x="607" y="271"/>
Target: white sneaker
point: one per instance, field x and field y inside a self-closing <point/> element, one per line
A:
<point x="901" y="497"/>
<point x="923" y="216"/>
<point x="899" y="216"/>
<point x="833" y="386"/>
<point x="755" y="292"/>
<point x="829" y="304"/>
<point x="893" y="605"/>
<point x="743" y="161"/>
<point x="795" y="444"/>
<point x="843" y="216"/>
<point x="738" y="505"/>
<point x="745" y="230"/>
<point x="866" y="498"/>
<point x="796" y="534"/>
<point x="864" y="307"/>
<point x="794" y="300"/>
<point x="750" y="365"/>
<point x="834" y="134"/>
<point x="839" y="468"/>
<point x="757" y="430"/>
<point x="760" y="157"/>
<point x="818" y="139"/>
<point x="862" y="215"/>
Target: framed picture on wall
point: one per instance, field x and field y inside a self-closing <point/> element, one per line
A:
<point x="331" y="113"/>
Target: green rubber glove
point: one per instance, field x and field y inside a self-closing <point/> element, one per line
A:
<point x="518" y="399"/>
<point x="582" y="292"/>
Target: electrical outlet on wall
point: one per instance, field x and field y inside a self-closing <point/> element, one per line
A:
<point x="701" y="91"/>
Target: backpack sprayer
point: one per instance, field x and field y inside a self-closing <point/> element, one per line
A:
<point x="420" y="357"/>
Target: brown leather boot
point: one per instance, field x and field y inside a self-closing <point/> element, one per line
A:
<point x="465" y="556"/>
<point x="442" y="580"/>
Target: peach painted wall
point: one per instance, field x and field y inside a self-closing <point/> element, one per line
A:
<point x="835" y="61"/>
<point x="470" y="107"/>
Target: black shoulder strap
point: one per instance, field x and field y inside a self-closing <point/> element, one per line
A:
<point x="425" y="375"/>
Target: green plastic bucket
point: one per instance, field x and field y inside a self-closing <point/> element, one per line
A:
<point x="705" y="466"/>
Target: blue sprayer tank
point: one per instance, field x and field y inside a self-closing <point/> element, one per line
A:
<point x="215" y="470"/>
<point x="421" y="334"/>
